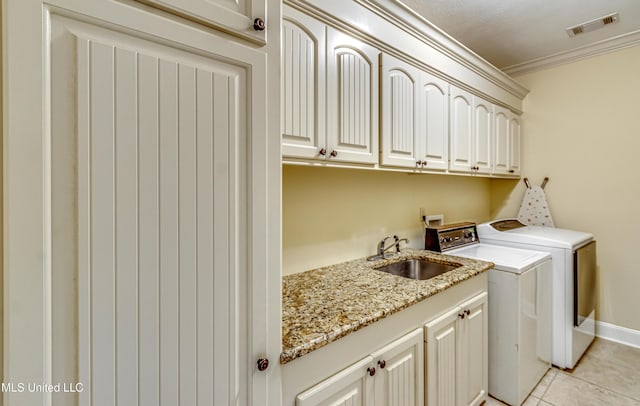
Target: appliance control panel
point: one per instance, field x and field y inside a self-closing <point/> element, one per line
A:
<point x="450" y="236"/>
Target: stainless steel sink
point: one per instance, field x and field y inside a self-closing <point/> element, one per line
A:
<point x="420" y="269"/>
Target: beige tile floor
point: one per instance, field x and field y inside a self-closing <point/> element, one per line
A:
<point x="608" y="374"/>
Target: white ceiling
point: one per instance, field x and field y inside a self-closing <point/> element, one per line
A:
<point x="521" y="35"/>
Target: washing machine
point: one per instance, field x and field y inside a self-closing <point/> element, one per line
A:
<point x="519" y="311"/>
<point x="573" y="280"/>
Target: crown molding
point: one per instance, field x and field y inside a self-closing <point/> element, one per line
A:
<point x="598" y="48"/>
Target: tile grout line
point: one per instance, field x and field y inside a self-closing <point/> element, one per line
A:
<point x="596" y="385"/>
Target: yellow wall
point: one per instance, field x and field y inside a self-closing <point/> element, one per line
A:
<point x="581" y="128"/>
<point x="332" y="215"/>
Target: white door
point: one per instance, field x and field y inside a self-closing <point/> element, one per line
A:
<point x="482" y="135"/>
<point x="350" y="387"/>
<point x="461" y="131"/>
<point x="303" y="85"/>
<point x="433" y="122"/>
<point x="146" y="136"/>
<point x="399" y="100"/>
<point x="442" y="375"/>
<point x="472" y="362"/>
<point x="501" y="140"/>
<point x="400" y="372"/>
<point x="234" y="16"/>
<point x="352" y="99"/>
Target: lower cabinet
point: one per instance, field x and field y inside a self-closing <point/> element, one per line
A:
<point x="391" y="376"/>
<point x="457" y="359"/>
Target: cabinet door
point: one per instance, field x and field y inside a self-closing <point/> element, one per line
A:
<point x="352" y="99"/>
<point x="159" y="137"/>
<point x="482" y="135"/>
<point x="433" y="122"/>
<point x="472" y="362"/>
<point x="350" y="387"/>
<point x="303" y="85"/>
<point x="233" y="16"/>
<point x="400" y="372"/>
<point x="501" y="145"/>
<point x="514" y="145"/>
<point x="399" y="99"/>
<point x="461" y="147"/>
<point x="442" y="342"/>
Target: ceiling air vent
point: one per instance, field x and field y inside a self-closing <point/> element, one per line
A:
<point x="592" y="25"/>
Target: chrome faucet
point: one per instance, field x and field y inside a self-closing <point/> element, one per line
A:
<point x="382" y="250"/>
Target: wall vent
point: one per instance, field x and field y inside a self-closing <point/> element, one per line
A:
<point x="592" y="25"/>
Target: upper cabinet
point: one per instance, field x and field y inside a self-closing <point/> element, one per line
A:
<point x="243" y="18"/>
<point x="414" y="117"/>
<point x="506" y="148"/>
<point x="329" y="93"/>
<point x="352" y="99"/>
<point x="302" y="85"/>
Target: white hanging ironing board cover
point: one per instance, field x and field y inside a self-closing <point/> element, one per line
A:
<point x="534" y="210"/>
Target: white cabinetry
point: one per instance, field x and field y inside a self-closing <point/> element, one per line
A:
<point x="471" y="133"/>
<point x="391" y="376"/>
<point x="457" y="362"/>
<point x="157" y="174"/>
<point x="303" y="85"/>
<point x="347" y="130"/>
<point x="414" y="117"/>
<point x="506" y="149"/>
<point x="236" y="17"/>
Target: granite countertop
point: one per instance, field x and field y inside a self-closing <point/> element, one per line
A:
<point x="322" y="305"/>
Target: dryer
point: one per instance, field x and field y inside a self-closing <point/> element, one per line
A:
<point x="573" y="280"/>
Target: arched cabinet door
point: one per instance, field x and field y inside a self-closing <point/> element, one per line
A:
<point x="501" y="145"/>
<point x="461" y="130"/>
<point x="482" y="135"/>
<point x="303" y="85"/>
<point x="352" y="99"/>
<point x="433" y="124"/>
<point x="399" y="113"/>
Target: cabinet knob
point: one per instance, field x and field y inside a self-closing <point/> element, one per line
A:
<point x="371" y="371"/>
<point x="424" y="163"/>
<point x="263" y="364"/>
<point x="418" y="163"/>
<point x="323" y="152"/>
<point x="461" y="315"/>
<point x="258" y="24"/>
<point x="511" y="171"/>
<point x="467" y="312"/>
<point x="382" y="363"/>
<point x="334" y="153"/>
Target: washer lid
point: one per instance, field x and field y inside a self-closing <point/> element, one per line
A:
<point x="535" y="235"/>
<point x="508" y="259"/>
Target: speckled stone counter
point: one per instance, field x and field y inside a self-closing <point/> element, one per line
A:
<point x="322" y="305"/>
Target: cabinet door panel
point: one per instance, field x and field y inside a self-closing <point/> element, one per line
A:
<point x="303" y="85"/>
<point x="352" y="99"/>
<point x="351" y="387"/>
<point x="472" y="372"/>
<point x="514" y="148"/>
<point x="160" y="141"/>
<point x="482" y="134"/>
<point x="501" y="141"/>
<point x="442" y="342"/>
<point x="400" y="382"/>
<point x="461" y="131"/>
<point x="433" y="127"/>
<point x="399" y="115"/>
<point x="233" y="16"/>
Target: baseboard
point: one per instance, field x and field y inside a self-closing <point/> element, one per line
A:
<point x="618" y="334"/>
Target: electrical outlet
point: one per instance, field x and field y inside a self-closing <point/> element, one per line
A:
<point x="433" y="220"/>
